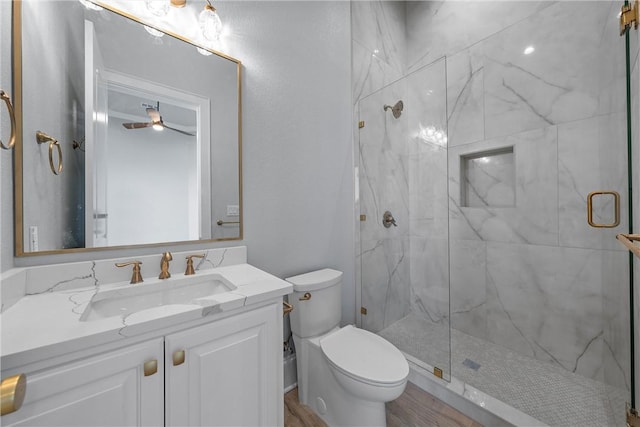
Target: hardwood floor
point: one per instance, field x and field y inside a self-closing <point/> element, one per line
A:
<point x="415" y="408"/>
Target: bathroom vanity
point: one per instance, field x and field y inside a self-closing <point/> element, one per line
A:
<point x="197" y="360"/>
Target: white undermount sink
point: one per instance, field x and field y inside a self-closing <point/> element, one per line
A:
<point x="180" y="290"/>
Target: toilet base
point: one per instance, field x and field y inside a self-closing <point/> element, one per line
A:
<point x="318" y="389"/>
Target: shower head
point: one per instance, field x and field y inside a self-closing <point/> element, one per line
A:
<point x="396" y="109"/>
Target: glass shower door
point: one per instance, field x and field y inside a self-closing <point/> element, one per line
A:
<point x="403" y="173"/>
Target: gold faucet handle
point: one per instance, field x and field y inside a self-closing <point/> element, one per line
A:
<point x="190" y="270"/>
<point x="136" y="277"/>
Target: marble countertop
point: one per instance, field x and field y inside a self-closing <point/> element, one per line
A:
<point x="49" y="323"/>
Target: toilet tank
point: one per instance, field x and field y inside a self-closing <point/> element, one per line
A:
<point x="317" y="302"/>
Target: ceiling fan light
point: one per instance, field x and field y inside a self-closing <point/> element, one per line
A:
<point x="158" y="7"/>
<point x="157" y="126"/>
<point x="210" y="23"/>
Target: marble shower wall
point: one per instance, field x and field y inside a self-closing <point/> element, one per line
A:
<point x="527" y="272"/>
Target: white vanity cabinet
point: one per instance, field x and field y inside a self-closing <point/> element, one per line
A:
<point x="227" y="373"/>
<point x="231" y="374"/>
<point x="108" y="389"/>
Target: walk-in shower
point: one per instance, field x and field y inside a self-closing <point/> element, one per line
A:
<point x="493" y="276"/>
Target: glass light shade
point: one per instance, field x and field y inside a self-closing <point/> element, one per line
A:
<point x="204" y="52"/>
<point x="210" y="23"/>
<point x="153" y="31"/>
<point x="89" y="5"/>
<point x="158" y="7"/>
<point x="157" y="126"/>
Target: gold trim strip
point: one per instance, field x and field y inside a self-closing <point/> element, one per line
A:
<point x="12" y="392"/>
<point x="616" y="208"/>
<point x="12" y="119"/>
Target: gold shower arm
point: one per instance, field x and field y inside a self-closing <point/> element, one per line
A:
<point x="42" y="138"/>
<point x="12" y="117"/>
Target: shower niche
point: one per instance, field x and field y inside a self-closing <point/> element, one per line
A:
<point x="488" y="178"/>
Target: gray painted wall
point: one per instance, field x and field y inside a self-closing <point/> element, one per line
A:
<point x="297" y="156"/>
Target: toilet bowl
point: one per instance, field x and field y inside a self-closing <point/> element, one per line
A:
<point x="344" y="374"/>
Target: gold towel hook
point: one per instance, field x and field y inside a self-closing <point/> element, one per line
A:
<point x="12" y="117"/>
<point x="42" y="138"/>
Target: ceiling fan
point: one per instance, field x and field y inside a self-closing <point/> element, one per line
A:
<point x="156" y="122"/>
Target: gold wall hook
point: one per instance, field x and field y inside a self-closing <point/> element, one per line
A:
<point x="12" y="118"/>
<point x="42" y="138"/>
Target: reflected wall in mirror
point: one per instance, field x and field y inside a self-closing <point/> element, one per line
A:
<point x="149" y="130"/>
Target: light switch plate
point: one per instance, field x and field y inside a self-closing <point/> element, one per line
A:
<point x="233" y="210"/>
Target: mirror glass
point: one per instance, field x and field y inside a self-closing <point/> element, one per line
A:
<point x="146" y="126"/>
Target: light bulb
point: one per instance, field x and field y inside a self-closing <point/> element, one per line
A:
<point x="210" y="23"/>
<point x="158" y="7"/>
<point x="89" y="5"/>
<point x="204" y="52"/>
<point x="153" y="31"/>
<point x="157" y="126"/>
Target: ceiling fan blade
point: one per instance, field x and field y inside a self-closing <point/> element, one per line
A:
<point x="138" y="125"/>
<point x="154" y="114"/>
<point x="178" y="130"/>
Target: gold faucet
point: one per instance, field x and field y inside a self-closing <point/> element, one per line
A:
<point x="164" y="265"/>
<point x="190" y="270"/>
<point x="136" y="277"/>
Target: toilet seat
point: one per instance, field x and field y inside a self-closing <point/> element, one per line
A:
<point x="365" y="357"/>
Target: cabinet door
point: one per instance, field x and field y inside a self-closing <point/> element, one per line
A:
<point x="231" y="374"/>
<point x="110" y="389"/>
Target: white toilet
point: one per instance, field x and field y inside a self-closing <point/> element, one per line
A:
<point x="344" y="374"/>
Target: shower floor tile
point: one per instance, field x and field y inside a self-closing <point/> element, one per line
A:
<point x="544" y="391"/>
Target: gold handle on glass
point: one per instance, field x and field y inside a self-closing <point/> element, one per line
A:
<point x="42" y="138"/>
<point x="616" y="208"/>
<point x="306" y="296"/>
<point x="178" y="357"/>
<point x="13" y="390"/>
<point x="150" y="367"/>
<point x="12" y="118"/>
<point x="288" y="308"/>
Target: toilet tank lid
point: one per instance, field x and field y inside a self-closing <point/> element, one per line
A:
<point x="315" y="280"/>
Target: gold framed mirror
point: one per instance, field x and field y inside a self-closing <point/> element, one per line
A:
<point x="147" y="127"/>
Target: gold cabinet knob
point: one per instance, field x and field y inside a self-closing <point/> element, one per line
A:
<point x="178" y="357"/>
<point x="12" y="391"/>
<point x="150" y="367"/>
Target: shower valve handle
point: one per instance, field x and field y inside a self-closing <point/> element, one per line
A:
<point x="388" y="220"/>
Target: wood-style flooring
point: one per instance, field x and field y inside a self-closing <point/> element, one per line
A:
<point x="415" y="408"/>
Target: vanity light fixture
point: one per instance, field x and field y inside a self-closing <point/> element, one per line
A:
<point x="89" y="5"/>
<point x="158" y="7"/>
<point x="153" y="31"/>
<point x="210" y="22"/>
